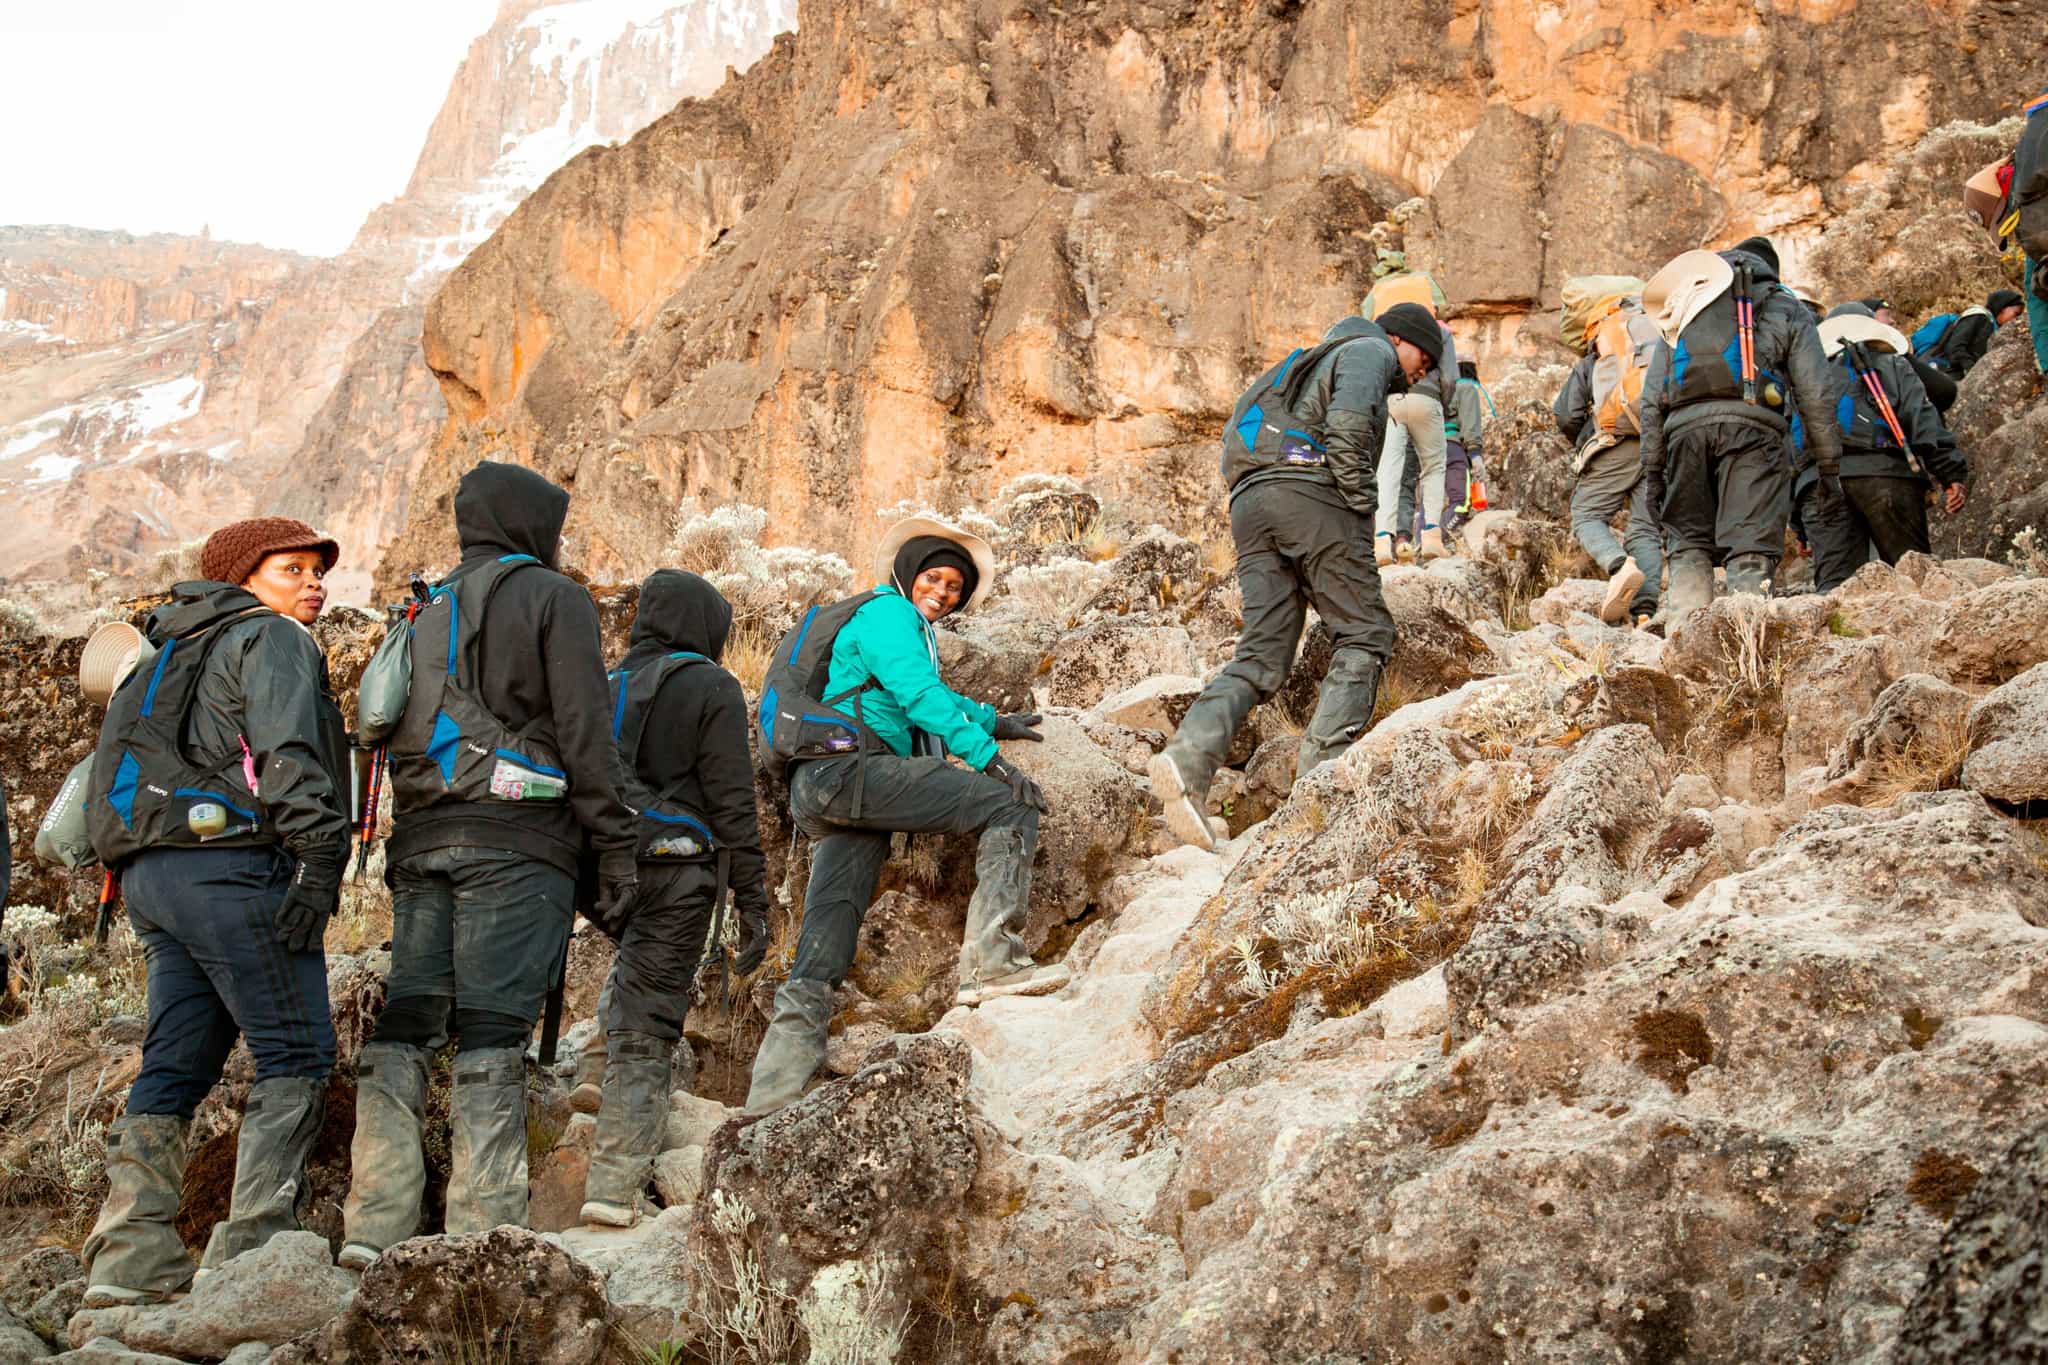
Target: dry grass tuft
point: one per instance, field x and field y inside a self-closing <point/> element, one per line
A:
<point x="1932" y="761"/>
<point x="747" y="651"/>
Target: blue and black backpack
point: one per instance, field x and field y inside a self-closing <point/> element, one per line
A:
<point x="1263" y="430"/>
<point x="1706" y="363"/>
<point x="669" y="830"/>
<point x="148" y="790"/>
<point x="797" y="720"/>
<point x="1928" y="336"/>
<point x="448" y="746"/>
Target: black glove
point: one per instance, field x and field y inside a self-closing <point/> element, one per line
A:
<point x="1827" y="491"/>
<point x="1019" y="727"/>
<point x="618" y="881"/>
<point x="1021" y="786"/>
<point x="754" y="950"/>
<point x="309" y="903"/>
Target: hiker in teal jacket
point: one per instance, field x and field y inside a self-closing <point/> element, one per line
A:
<point x="885" y="660"/>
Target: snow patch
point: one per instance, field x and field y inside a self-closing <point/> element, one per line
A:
<point x="158" y="405"/>
<point x="51" y="468"/>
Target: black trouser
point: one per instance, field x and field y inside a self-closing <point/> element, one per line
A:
<point x="1886" y="512"/>
<point x="1727" y="489"/>
<point x="652" y="974"/>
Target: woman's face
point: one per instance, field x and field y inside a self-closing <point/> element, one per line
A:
<point x="937" y="591"/>
<point x="290" y="584"/>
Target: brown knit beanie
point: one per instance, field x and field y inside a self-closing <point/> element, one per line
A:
<point x="235" y="551"/>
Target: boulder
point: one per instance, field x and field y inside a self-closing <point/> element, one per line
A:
<point x="994" y="661"/>
<point x="879" y="1160"/>
<point x="1915" y="727"/>
<point x="1153" y="570"/>
<point x="648" y="1272"/>
<point x="288" y="1286"/>
<point x="28" y="1278"/>
<point x="555" y="1191"/>
<point x="107" y="1351"/>
<point x="1562" y="602"/>
<point x="18" y="1341"/>
<point x="679" y="1175"/>
<point x="1152" y="704"/>
<point x="1097" y="818"/>
<point x="1103" y="658"/>
<point x="2008" y="738"/>
<point x="1981" y="1299"/>
<point x="1995" y="633"/>
<point x="505" y="1294"/>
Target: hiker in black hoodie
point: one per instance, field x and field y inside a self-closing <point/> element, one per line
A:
<point x="1719" y="467"/>
<point x="501" y="768"/>
<point x="1303" y="525"/>
<point x="685" y="745"/>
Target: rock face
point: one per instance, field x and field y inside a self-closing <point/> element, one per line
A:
<point x="153" y="387"/>
<point x="1982" y="1298"/>
<point x="287" y="1286"/>
<point x="921" y="249"/>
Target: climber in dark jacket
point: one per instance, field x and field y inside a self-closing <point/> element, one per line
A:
<point x="483" y="881"/>
<point x="1719" y="467"/>
<point x="1304" y="535"/>
<point x="1885" y="497"/>
<point x="230" y="927"/>
<point x="1969" y="334"/>
<point x="692" y="753"/>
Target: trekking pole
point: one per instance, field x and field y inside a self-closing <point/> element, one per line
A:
<point x="1745" y="331"/>
<point x="373" y="796"/>
<point x="110" y="891"/>
<point x="1859" y="362"/>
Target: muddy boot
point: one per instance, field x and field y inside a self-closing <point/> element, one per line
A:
<point x="1343" y="709"/>
<point x="588" y="1095"/>
<point x="1692" y="584"/>
<point x="628" y="1128"/>
<point x="1002" y="890"/>
<point x="279" y="1125"/>
<point x="134" y="1254"/>
<point x="794" y="1045"/>
<point x="487" y="1140"/>
<point x="387" y="1159"/>
<point x="1181" y="772"/>
<point x="1751" y="574"/>
<point x="1622" y="584"/>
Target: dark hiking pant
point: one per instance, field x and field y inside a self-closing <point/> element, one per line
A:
<point x="1298" y="544"/>
<point x="476" y="941"/>
<point x="1612" y="480"/>
<point x="207" y="922"/>
<point x="1727" y="489"/>
<point x="648" y="990"/>
<point x="920" y="796"/>
<point x="1457" y="469"/>
<point x="1886" y="512"/>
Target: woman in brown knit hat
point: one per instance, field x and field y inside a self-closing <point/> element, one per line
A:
<point x="229" y="845"/>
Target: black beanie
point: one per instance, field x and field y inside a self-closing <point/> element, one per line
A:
<point x="1469" y="369"/>
<point x="1761" y="248"/>
<point x="1875" y="302"/>
<point x="1413" y="324"/>
<point x="2002" y="299"/>
<point x="922" y="552"/>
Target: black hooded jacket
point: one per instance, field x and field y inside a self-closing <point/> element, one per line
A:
<point x="695" y="744"/>
<point x="539" y="657"/>
<point x="1344" y="403"/>
<point x="1787" y="345"/>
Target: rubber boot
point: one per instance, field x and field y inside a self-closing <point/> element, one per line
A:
<point x="279" y="1125"/>
<point x="1343" y="709"/>
<point x="387" y="1159"/>
<point x="1692" y="584"/>
<point x="993" y="960"/>
<point x="1383" y="549"/>
<point x="629" y="1128"/>
<point x="1181" y="773"/>
<point x="794" y="1045"/>
<point x="1751" y="574"/>
<point x="487" y="1140"/>
<point x="1432" y="545"/>
<point x="134" y="1254"/>
<point x="588" y="1096"/>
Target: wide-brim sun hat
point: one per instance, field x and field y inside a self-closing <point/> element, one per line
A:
<point x="115" y="650"/>
<point x="1837" y="332"/>
<point x="910" y="528"/>
<point x="1681" y="291"/>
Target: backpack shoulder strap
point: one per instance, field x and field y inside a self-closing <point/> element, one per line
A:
<point x="633" y="694"/>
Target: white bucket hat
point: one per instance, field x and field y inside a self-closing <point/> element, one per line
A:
<point x="1681" y="291"/>
<point x="115" y="650"/>
<point x="910" y="528"/>
<point x="1837" y="332"/>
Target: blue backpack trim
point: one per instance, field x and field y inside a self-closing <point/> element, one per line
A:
<point x="127" y="776"/>
<point x="163" y="657"/>
<point x="1929" y="333"/>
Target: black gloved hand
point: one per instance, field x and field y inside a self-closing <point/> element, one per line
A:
<point x="618" y="882"/>
<point x="310" y="902"/>
<point x="1019" y="727"/>
<point x="1828" y="490"/>
<point x="1021" y="786"/>
<point x="754" y="948"/>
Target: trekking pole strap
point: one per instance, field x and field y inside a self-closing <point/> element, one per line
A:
<point x="1883" y="402"/>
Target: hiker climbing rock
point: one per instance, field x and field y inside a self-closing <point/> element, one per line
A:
<point x="1895" y="453"/>
<point x="680" y="722"/>
<point x="1420" y="420"/>
<point x="1298" y="461"/>
<point x="502" y="766"/>
<point x="219" y="803"/>
<point x="854" y="709"/>
<point x="1954" y="342"/>
<point x="1599" y="410"/>
<point x="1464" y="447"/>
<point x="1741" y="359"/>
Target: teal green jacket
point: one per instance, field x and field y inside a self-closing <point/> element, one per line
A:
<point x="889" y="642"/>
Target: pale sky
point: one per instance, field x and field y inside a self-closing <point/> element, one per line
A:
<point x="276" y="121"/>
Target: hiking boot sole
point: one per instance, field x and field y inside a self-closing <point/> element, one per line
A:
<point x="1621" y="590"/>
<point x="1187" y="822"/>
<point x="356" y="1256"/>
<point x="119" y="1296"/>
<point x="1037" y="981"/>
<point x="599" y="1213"/>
